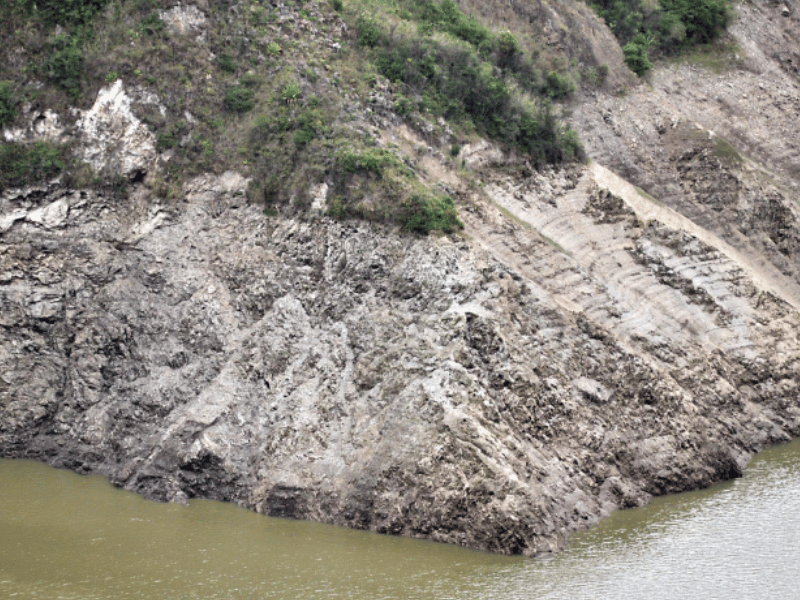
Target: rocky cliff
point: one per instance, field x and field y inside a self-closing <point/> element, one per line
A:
<point x="583" y="345"/>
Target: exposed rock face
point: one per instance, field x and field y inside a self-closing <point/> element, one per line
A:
<point x="44" y="125"/>
<point x="343" y="373"/>
<point x="108" y="136"/>
<point x="721" y="147"/>
<point x="114" y="139"/>
<point x="185" y="20"/>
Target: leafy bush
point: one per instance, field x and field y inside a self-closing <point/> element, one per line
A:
<point x="22" y="164"/>
<point x="166" y="139"/>
<point x="291" y="92"/>
<point x="64" y="12"/>
<point x="239" y="98"/>
<point x="557" y="86"/>
<point x="226" y="63"/>
<point x="669" y="25"/>
<point x="423" y="215"/>
<point x="373" y="160"/>
<point x="64" y="64"/>
<point x="369" y="32"/>
<point x="704" y="20"/>
<point x="636" y="56"/>
<point x="152" y="24"/>
<point x="307" y="125"/>
<point x="8" y="103"/>
<point x="447" y="16"/>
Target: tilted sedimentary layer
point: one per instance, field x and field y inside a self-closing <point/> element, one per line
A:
<point x="575" y="352"/>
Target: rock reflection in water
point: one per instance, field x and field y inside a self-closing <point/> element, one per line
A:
<point x="72" y="537"/>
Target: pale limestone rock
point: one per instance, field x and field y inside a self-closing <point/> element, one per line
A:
<point x="185" y="20"/>
<point x="319" y="194"/>
<point x="51" y="216"/>
<point x="113" y="139"/>
<point x="43" y="126"/>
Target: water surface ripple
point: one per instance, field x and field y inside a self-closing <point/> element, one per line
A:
<point x="63" y="536"/>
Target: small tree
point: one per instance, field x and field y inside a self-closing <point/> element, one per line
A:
<point x="636" y="54"/>
<point x="239" y="98"/>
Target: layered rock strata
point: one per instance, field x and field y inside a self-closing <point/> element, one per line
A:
<point x="496" y="389"/>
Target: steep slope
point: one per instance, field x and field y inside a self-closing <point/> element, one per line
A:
<point x="342" y="373"/>
<point x="714" y="135"/>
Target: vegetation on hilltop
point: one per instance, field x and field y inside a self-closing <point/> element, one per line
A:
<point x="285" y="93"/>
<point x="663" y="26"/>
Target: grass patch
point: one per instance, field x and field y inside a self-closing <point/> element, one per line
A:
<point x="718" y="57"/>
<point x="423" y="215"/>
<point x="8" y="103"/>
<point x="23" y="164"/>
<point x="727" y="153"/>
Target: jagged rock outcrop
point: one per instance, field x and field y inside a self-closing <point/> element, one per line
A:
<point x="345" y="373"/>
<point x="113" y="139"/>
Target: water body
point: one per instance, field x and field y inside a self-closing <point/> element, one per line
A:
<point x="63" y="536"/>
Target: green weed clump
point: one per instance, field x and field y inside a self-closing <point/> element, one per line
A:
<point x="375" y="184"/>
<point x="63" y="65"/>
<point x="373" y="160"/>
<point x="240" y="97"/>
<point x="23" y="164"/>
<point x="425" y="214"/>
<point x="8" y="103"/>
<point x="69" y="13"/>
<point x="665" y="26"/>
<point x="636" y="54"/>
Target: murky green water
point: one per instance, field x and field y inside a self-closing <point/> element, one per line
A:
<point x="72" y="537"/>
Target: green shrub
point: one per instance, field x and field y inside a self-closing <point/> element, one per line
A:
<point x="557" y="86"/>
<point x="636" y="56"/>
<point x="8" y="103"/>
<point x="166" y="139"/>
<point x="509" y="53"/>
<point x="226" y="63"/>
<point x="669" y="25"/>
<point x="266" y="191"/>
<point x="239" y="98"/>
<point x="305" y="133"/>
<point x="152" y="24"/>
<point x="402" y="106"/>
<point x="64" y="64"/>
<point x="338" y="5"/>
<point x="369" y="32"/>
<point x="22" y="164"/>
<point x="704" y="19"/>
<point x="64" y="12"/>
<point x="423" y="215"/>
<point x="373" y="160"/>
<point x="291" y="92"/>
